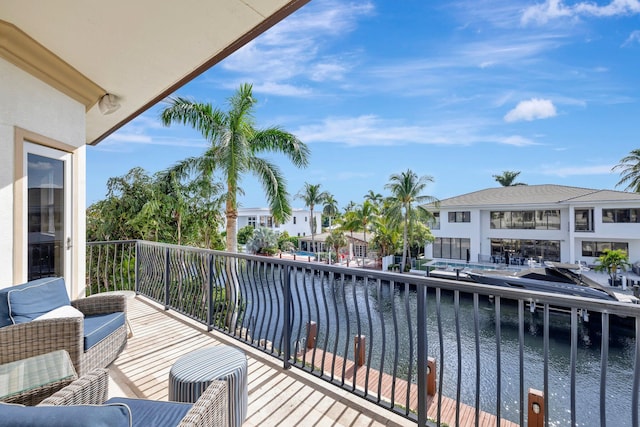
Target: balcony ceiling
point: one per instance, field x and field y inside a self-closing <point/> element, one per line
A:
<point x="140" y="51"/>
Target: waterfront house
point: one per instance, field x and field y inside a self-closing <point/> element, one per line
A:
<point x="540" y="222"/>
<point x="73" y="72"/>
<point x="297" y="225"/>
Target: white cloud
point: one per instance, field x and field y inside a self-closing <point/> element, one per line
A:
<point x="633" y="38"/>
<point x="531" y="110"/>
<point x="274" y="88"/>
<point x="295" y="48"/>
<point x="554" y="9"/>
<point x="371" y="130"/>
<point x="577" y="170"/>
<point x="516" y="141"/>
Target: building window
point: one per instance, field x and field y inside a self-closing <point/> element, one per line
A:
<point x="583" y="219"/>
<point x="451" y="248"/>
<point x="621" y="215"/>
<point x="251" y="221"/>
<point x="462" y="216"/>
<point x="595" y="249"/>
<point x="548" y="219"/>
<point x="305" y="219"/>
<point x="294" y="219"/>
<point x="434" y="223"/>
<point x="266" y="221"/>
<point x="520" y="250"/>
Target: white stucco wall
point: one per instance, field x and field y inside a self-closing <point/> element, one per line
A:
<point x="30" y="104"/>
<point x="300" y="228"/>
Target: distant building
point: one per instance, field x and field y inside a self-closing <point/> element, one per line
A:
<point x="541" y="222"/>
<point x="298" y="225"/>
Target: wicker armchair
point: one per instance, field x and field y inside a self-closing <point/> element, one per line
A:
<point x="92" y="389"/>
<point x="43" y="336"/>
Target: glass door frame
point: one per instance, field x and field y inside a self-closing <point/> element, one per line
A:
<point x="29" y="142"/>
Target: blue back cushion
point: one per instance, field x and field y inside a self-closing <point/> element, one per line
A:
<point x="116" y="415"/>
<point x="28" y="301"/>
<point x="153" y="413"/>
<point x="97" y="327"/>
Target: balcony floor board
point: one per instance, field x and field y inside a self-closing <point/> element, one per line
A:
<point x="277" y="397"/>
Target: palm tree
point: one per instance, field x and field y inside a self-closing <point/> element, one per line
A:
<point x="507" y="178"/>
<point x="406" y="189"/>
<point x="365" y="216"/>
<point x="373" y="197"/>
<point x="235" y="145"/>
<point x="630" y="170"/>
<point x="350" y="223"/>
<point x="330" y="208"/>
<point x="312" y="196"/>
<point x="335" y="240"/>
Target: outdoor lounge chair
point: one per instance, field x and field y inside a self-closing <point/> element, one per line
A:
<point x="94" y="336"/>
<point x="84" y="399"/>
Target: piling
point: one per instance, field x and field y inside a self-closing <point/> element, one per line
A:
<point x="536" y="408"/>
<point x="312" y="334"/>
<point x="359" y="348"/>
<point x="431" y="376"/>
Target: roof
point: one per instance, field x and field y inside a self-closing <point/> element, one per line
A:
<point x="140" y="51"/>
<point x="545" y="194"/>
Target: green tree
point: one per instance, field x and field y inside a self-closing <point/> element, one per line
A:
<point x="312" y="196"/>
<point x="507" y="178"/>
<point x="610" y="261"/>
<point x="406" y="188"/>
<point x="330" y="208"/>
<point x="336" y="240"/>
<point x="375" y="198"/>
<point x="234" y="148"/>
<point x="365" y="215"/>
<point x="263" y="241"/>
<point x="629" y="167"/>
<point x="245" y="233"/>
<point x="386" y="238"/>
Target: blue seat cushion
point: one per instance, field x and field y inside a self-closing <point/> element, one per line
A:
<point x="99" y="326"/>
<point x="35" y="298"/>
<point x="153" y="413"/>
<point x="116" y="415"/>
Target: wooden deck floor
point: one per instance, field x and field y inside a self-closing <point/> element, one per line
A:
<point x="277" y="397"/>
<point x="387" y="388"/>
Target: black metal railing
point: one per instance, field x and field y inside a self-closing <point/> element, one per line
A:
<point x="491" y="345"/>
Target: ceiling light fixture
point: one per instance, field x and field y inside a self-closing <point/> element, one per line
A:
<point x="108" y="103"/>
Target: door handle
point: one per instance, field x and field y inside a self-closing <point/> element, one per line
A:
<point x="69" y="245"/>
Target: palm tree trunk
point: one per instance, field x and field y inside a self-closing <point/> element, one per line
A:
<point x="313" y="231"/>
<point x="232" y="287"/>
<point x="404" y="245"/>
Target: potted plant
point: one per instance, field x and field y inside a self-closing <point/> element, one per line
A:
<point x="610" y="261"/>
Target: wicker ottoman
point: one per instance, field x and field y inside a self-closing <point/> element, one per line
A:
<point x="192" y="373"/>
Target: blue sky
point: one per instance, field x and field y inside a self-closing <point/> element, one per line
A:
<point x="457" y="90"/>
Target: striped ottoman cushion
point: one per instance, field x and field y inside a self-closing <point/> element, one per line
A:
<point x="192" y="373"/>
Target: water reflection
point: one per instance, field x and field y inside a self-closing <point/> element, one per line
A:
<point x="386" y="314"/>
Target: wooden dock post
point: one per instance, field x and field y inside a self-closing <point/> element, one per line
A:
<point x="536" y="408"/>
<point x="359" y="347"/>
<point x="312" y="333"/>
<point x="431" y="376"/>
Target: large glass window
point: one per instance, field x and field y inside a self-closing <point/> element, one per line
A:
<point x="595" y="249"/>
<point x="521" y="250"/>
<point x="583" y="219"/>
<point x="621" y="215"/>
<point x="434" y="224"/>
<point x="533" y="219"/>
<point x="461" y="216"/>
<point x="451" y="248"/>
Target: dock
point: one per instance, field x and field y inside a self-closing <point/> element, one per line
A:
<point x="386" y="389"/>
